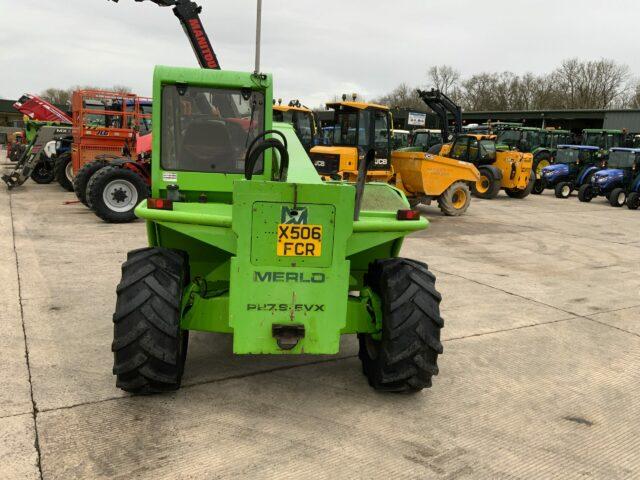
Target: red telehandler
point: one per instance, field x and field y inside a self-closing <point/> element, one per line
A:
<point x="113" y="187"/>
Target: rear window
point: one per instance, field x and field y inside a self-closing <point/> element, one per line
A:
<point x="209" y="130"/>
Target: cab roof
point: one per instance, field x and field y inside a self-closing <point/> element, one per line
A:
<point x="287" y="108"/>
<point x="580" y="147"/>
<point x="624" y="149"/>
<point x="600" y="130"/>
<point x="357" y="105"/>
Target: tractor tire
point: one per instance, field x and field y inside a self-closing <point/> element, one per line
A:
<point x="563" y="190"/>
<point x="543" y="159"/>
<point x="42" y="173"/>
<point x="617" y="197"/>
<point x="405" y="358"/>
<point x="63" y="171"/>
<point x="525" y="192"/>
<point x="455" y="200"/>
<point x="114" y="193"/>
<point x="633" y="201"/>
<point x="585" y="194"/>
<point x="83" y="176"/>
<point x="488" y="187"/>
<point x="149" y="348"/>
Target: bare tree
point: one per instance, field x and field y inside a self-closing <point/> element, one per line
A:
<point x="443" y="78"/>
<point x="403" y="96"/>
<point x="61" y="96"/>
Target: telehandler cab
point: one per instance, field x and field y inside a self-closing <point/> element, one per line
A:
<point x="302" y="119"/>
<point x="359" y="128"/>
<point x="246" y="239"/>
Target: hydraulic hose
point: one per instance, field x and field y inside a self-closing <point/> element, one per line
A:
<point x="259" y="145"/>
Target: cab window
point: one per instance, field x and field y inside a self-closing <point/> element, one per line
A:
<point x="459" y="150"/>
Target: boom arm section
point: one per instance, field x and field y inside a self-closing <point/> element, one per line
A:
<point x="441" y="104"/>
<point x="188" y="13"/>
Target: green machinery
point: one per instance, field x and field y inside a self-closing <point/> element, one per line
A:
<point x="542" y="143"/>
<point x="246" y="239"/>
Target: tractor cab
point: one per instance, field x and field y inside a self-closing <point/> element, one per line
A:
<point x="359" y="128"/>
<point x="400" y="139"/>
<point x="619" y="180"/>
<point x="605" y="140"/>
<point x="477" y="149"/>
<point x="421" y="140"/>
<point x="523" y="139"/>
<point x="574" y="166"/>
<point x="302" y="119"/>
<point x="558" y="137"/>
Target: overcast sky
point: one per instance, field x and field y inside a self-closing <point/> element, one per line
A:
<point x="315" y="49"/>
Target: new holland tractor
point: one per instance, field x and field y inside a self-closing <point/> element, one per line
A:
<point x="359" y="128"/>
<point x="619" y="182"/>
<point x="573" y="168"/>
<point x="246" y="239"/>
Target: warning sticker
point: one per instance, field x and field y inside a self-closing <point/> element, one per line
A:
<point x="169" y="176"/>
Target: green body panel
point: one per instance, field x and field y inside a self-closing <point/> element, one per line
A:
<point x="238" y="282"/>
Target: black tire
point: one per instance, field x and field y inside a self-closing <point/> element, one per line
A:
<point x="406" y="357"/>
<point x="525" y="192"/>
<point x="61" y="172"/>
<point x="42" y="173"/>
<point x="149" y="347"/>
<point x="586" y="193"/>
<point x="131" y="191"/>
<point x="455" y="200"/>
<point x="617" y="197"/>
<point x="81" y="181"/>
<point x="490" y="187"/>
<point x="563" y="190"/>
<point x="633" y="201"/>
<point x="540" y="161"/>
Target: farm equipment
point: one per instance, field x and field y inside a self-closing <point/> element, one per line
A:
<point x="33" y="163"/>
<point x="37" y="109"/>
<point x="359" y="128"/>
<point x="510" y="171"/>
<point x="302" y="119"/>
<point x="573" y="168"/>
<point x="237" y="208"/>
<point x="400" y="139"/>
<point x="422" y="139"/>
<point x="619" y="182"/>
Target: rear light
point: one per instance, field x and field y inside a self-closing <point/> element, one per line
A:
<point x="408" y="215"/>
<point x="159" y="204"/>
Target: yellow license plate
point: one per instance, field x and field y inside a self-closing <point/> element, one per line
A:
<point x="299" y="240"/>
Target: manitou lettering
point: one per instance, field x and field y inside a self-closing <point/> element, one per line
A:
<point x="288" y="277"/>
<point x="203" y="43"/>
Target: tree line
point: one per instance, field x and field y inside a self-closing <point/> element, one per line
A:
<point x="575" y="84"/>
<point x="62" y="96"/>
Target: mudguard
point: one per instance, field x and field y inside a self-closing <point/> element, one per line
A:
<point x="585" y="173"/>
<point x="497" y="173"/>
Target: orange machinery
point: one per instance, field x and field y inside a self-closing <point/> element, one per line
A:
<point x="104" y="122"/>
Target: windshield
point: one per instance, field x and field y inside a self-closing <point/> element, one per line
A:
<point x="304" y="126"/>
<point x="344" y="132"/>
<point x="621" y="159"/>
<point x="208" y="129"/>
<point x="568" y="155"/>
<point x="509" y="138"/>
<point x="532" y="139"/>
<point x="400" y="140"/>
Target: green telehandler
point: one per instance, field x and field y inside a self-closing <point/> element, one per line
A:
<point x="246" y="239"/>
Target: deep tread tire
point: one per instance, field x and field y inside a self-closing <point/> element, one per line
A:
<point x="60" y="172"/>
<point x="99" y="182"/>
<point x="563" y="190"/>
<point x="83" y="176"/>
<point x="525" y="192"/>
<point x="617" y="197"/>
<point x="538" y="186"/>
<point x="148" y="345"/>
<point x="42" y="173"/>
<point x="406" y="357"/>
<point x="586" y="193"/>
<point x="494" y="185"/>
<point x="633" y="201"/>
<point x="454" y="207"/>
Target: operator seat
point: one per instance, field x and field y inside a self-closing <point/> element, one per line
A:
<point x="207" y="146"/>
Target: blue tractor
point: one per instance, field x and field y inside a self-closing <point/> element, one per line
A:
<point x="619" y="182"/>
<point x="574" y="166"/>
